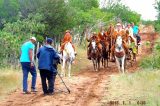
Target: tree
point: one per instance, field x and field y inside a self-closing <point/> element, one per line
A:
<point x="124" y="13"/>
<point x="157" y="7"/>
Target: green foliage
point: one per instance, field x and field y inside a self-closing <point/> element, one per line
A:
<point x="152" y="61"/>
<point x="29" y="26"/>
<point x="157" y="7"/>
<point x="9" y="48"/>
<point x="84" y="5"/>
<point x="124" y="13"/>
<point x="56" y="17"/>
<point x="9" y="9"/>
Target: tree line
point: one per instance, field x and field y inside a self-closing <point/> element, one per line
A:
<point x="20" y="19"/>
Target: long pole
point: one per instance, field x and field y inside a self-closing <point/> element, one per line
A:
<point x="64" y="84"/>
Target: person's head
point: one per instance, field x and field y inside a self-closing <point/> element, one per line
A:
<point x="132" y="24"/>
<point x="49" y="41"/>
<point x="119" y="26"/>
<point x="129" y="25"/>
<point x="33" y="40"/>
<point x="67" y="31"/>
<point x="94" y="33"/>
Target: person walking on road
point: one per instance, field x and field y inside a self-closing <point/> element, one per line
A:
<point x="47" y="64"/>
<point x="27" y="63"/>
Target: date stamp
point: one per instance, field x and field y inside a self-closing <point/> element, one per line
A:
<point x="116" y="103"/>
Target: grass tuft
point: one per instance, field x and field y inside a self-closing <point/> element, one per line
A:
<point x="9" y="81"/>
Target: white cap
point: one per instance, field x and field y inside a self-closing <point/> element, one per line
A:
<point x="33" y="38"/>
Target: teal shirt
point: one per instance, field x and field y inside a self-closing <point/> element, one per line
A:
<point x="135" y="29"/>
<point x="25" y="51"/>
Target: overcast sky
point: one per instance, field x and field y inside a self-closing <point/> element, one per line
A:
<point x="143" y="7"/>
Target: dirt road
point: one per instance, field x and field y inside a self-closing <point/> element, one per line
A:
<point x="87" y="89"/>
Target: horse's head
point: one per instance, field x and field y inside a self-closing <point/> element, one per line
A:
<point x="119" y="42"/>
<point x="93" y="46"/>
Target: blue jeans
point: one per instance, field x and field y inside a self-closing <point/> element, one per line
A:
<point x="26" y="67"/>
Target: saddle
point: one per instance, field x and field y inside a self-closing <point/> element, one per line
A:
<point x="119" y="54"/>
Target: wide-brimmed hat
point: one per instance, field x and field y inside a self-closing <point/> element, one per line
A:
<point x="67" y="31"/>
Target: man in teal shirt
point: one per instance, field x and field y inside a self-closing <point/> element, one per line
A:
<point x="26" y="59"/>
<point x="136" y="33"/>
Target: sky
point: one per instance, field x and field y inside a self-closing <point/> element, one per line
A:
<point x="143" y="7"/>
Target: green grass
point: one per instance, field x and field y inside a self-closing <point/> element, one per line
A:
<point x="139" y="86"/>
<point x="10" y="80"/>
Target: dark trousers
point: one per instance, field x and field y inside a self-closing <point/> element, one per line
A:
<point x="26" y="67"/>
<point x="50" y="76"/>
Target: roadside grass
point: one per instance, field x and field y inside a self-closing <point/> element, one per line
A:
<point x="139" y="88"/>
<point x="10" y="80"/>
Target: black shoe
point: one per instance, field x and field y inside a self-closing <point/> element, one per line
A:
<point x="26" y="92"/>
<point x="45" y="94"/>
<point x="51" y="93"/>
<point x="33" y="90"/>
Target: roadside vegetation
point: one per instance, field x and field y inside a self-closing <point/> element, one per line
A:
<point x="10" y="80"/>
<point x="21" y="19"/>
<point x="139" y="88"/>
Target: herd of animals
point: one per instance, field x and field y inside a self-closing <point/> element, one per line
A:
<point x="116" y="44"/>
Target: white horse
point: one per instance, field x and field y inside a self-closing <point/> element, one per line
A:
<point x="67" y="59"/>
<point x="120" y="54"/>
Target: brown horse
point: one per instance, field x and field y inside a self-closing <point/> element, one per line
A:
<point x="95" y="55"/>
<point x="105" y="49"/>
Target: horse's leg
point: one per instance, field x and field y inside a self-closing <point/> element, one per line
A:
<point x="118" y="64"/>
<point x="93" y="64"/>
<point x="63" y="67"/>
<point x="99" y="63"/>
<point x="69" y="69"/>
<point x="107" y="61"/>
<point x="122" y="63"/>
<point x="96" y="64"/>
<point x="102" y="61"/>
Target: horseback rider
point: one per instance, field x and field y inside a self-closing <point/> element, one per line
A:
<point x="136" y="33"/>
<point x="67" y="38"/>
<point x="119" y="32"/>
<point x="96" y="38"/>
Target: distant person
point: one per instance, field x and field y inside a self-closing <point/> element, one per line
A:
<point x="47" y="64"/>
<point x="27" y="62"/>
<point x="119" y="27"/>
<point x="129" y="28"/>
<point x="136" y="33"/>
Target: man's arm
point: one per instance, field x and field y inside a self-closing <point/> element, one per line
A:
<point x="31" y="55"/>
<point x="38" y="54"/>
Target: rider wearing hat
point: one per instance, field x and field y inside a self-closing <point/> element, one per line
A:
<point x="67" y="38"/>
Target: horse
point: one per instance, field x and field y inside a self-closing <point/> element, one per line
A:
<point x="105" y="48"/>
<point x="67" y="58"/>
<point x="120" y="54"/>
<point x="95" y="55"/>
<point x="105" y="53"/>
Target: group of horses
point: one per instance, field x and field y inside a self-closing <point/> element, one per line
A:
<point x="116" y="46"/>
